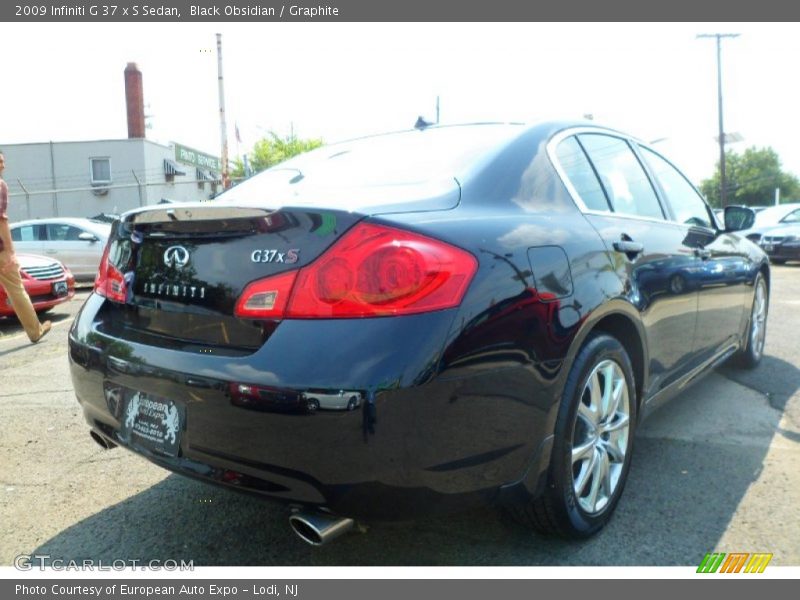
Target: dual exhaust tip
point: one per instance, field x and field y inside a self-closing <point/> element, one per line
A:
<point x="318" y="528"/>
<point x="315" y="528"/>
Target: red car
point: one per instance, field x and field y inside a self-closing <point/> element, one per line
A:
<point x="47" y="282"/>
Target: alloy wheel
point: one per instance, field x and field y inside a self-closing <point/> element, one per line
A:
<point x="600" y="439"/>
<point x="758" y="319"/>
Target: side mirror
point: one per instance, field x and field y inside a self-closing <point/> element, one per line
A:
<point x="85" y="236"/>
<point x="738" y="218"/>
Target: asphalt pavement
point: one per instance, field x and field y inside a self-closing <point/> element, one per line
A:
<point x="718" y="469"/>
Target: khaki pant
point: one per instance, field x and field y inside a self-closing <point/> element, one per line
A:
<point x="21" y="303"/>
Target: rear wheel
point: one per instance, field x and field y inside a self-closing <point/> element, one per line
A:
<point x="312" y="405"/>
<point x="750" y="355"/>
<point x="593" y="444"/>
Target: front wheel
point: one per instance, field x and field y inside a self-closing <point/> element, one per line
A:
<point x="593" y="444"/>
<point x="753" y="349"/>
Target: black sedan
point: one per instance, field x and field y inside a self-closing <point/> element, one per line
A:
<point x="781" y="243"/>
<point x="507" y="303"/>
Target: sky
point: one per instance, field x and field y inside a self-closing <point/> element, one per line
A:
<point x="336" y="81"/>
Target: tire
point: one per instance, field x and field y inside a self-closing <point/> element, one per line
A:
<point x="351" y="404"/>
<point x="312" y="405"/>
<point x="581" y="495"/>
<point x="778" y="261"/>
<point x="753" y="349"/>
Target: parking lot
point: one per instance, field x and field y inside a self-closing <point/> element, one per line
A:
<point x="717" y="469"/>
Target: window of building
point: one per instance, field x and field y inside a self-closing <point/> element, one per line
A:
<point x="687" y="205"/>
<point x="100" y="170"/>
<point x="624" y="179"/>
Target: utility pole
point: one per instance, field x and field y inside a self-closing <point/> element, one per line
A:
<point x="226" y="180"/>
<point x="437" y="110"/>
<point x="723" y="191"/>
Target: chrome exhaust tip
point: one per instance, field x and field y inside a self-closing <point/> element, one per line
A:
<point x="101" y="441"/>
<point x="318" y="528"/>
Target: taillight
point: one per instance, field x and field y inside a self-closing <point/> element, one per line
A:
<point x="372" y="271"/>
<point x="266" y="298"/>
<point x="110" y="282"/>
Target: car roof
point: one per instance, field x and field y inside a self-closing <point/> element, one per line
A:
<point x="76" y="221"/>
<point x="776" y="212"/>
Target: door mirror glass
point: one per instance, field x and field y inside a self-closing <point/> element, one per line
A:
<point x="738" y="218"/>
<point x="87" y="237"/>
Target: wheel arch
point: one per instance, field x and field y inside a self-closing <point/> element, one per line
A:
<point x="620" y="320"/>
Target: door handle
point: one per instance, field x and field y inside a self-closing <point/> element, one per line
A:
<point x="702" y="253"/>
<point x="51" y="251"/>
<point x="629" y="247"/>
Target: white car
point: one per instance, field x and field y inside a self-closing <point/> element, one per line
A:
<point x="783" y="214"/>
<point x="78" y="243"/>
<point x="344" y="400"/>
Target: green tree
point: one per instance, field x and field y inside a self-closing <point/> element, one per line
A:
<point x="272" y="150"/>
<point x="751" y="179"/>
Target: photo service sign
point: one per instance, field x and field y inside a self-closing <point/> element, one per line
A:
<point x="341" y="589"/>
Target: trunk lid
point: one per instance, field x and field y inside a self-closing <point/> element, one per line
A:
<point x="185" y="267"/>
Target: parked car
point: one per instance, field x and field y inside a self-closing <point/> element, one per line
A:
<point x="782" y="214"/>
<point x="781" y="243"/>
<point x="77" y="243"/>
<point x="47" y="282"/>
<point x="342" y="400"/>
<point x="509" y="301"/>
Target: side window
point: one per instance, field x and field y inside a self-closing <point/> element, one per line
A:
<point x="686" y="203"/>
<point x="624" y="180"/>
<point x="581" y="175"/>
<point x="792" y="217"/>
<point x="62" y="233"/>
<point x="25" y="233"/>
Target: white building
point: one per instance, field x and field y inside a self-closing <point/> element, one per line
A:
<point x="83" y="179"/>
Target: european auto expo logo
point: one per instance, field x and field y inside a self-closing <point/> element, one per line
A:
<point x="735" y="562"/>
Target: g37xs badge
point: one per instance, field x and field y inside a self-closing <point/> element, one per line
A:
<point x="274" y="256"/>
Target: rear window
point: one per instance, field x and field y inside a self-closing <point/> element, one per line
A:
<point x="414" y="163"/>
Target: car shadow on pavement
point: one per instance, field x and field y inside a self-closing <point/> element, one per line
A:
<point x="686" y="484"/>
<point x="774" y="377"/>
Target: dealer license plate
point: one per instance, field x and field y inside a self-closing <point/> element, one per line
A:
<point x="768" y="247"/>
<point x="60" y="289"/>
<point x="153" y="423"/>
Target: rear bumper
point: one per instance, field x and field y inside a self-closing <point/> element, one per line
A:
<point x="420" y="441"/>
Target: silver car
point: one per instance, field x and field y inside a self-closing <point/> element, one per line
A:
<point x="782" y="214"/>
<point x="78" y="243"/>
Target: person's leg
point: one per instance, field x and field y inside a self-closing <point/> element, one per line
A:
<point x="21" y="303"/>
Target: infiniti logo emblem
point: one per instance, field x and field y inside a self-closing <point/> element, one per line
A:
<point x="176" y="256"/>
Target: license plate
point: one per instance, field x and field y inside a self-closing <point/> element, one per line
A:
<point x="152" y="423"/>
<point x="60" y="289"/>
<point x="768" y="247"/>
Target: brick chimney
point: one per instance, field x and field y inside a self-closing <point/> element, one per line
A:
<point x="134" y="99"/>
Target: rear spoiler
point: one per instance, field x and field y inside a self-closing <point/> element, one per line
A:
<point x="193" y="212"/>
